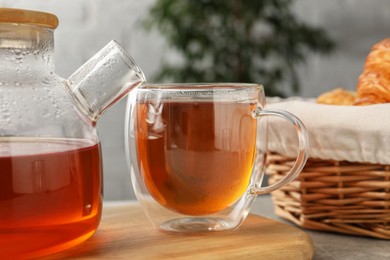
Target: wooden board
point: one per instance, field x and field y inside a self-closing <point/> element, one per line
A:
<point x="125" y="233"/>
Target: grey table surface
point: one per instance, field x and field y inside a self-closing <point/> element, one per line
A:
<point x="331" y="246"/>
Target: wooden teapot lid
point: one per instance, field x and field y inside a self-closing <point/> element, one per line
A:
<point x="20" y="16"/>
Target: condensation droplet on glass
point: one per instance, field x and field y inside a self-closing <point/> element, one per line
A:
<point x="46" y="114"/>
<point x="46" y="81"/>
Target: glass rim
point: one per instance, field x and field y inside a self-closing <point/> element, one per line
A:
<point x="200" y="92"/>
<point x="200" y="86"/>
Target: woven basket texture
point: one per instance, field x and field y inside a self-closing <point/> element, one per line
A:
<point x="335" y="196"/>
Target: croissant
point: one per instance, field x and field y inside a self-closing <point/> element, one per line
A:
<point x="338" y="96"/>
<point x="374" y="83"/>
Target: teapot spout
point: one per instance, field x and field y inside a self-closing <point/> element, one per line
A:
<point x="104" y="79"/>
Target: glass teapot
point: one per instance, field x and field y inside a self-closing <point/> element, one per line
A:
<point x="50" y="159"/>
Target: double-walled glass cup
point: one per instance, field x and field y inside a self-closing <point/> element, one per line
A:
<point x="197" y="151"/>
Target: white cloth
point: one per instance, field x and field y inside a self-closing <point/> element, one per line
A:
<point x="351" y="133"/>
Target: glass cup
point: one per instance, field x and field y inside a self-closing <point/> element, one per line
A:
<point x="197" y="152"/>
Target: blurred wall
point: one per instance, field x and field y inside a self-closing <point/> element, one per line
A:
<point x="355" y="25"/>
<point x="87" y="25"/>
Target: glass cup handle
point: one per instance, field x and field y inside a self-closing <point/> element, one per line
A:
<point x="303" y="148"/>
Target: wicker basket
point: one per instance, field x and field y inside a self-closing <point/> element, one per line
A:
<point x="336" y="196"/>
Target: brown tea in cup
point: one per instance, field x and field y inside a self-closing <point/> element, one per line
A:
<point x="196" y="157"/>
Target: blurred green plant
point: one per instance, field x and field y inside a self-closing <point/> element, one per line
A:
<point x="258" y="41"/>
